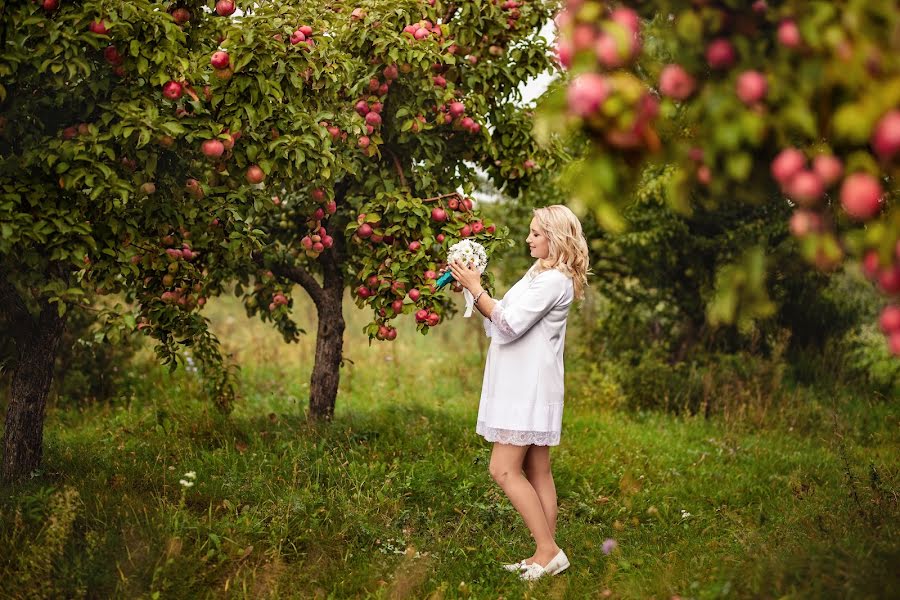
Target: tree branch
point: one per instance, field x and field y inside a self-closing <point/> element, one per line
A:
<point x="451" y="10"/>
<point x="451" y="194"/>
<point x="398" y="167"/>
<point x="296" y="274"/>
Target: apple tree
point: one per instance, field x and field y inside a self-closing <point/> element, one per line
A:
<point x="795" y="103"/>
<point x="414" y="99"/>
<point x="135" y="138"/>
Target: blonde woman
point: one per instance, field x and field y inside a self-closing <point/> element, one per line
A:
<point x="522" y="395"/>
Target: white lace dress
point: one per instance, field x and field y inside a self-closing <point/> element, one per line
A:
<point x="522" y="394"/>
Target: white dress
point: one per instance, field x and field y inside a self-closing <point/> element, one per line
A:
<point x="522" y="394"/>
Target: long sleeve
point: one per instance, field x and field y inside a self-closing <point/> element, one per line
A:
<point x="513" y="321"/>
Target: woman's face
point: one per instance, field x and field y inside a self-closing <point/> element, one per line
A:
<point x="537" y="241"/>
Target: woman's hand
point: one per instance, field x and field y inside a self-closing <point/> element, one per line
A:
<point x="454" y="285"/>
<point x="467" y="277"/>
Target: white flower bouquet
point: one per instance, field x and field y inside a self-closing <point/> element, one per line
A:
<point x="469" y="253"/>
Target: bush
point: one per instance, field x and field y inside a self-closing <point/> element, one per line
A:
<point x="704" y="384"/>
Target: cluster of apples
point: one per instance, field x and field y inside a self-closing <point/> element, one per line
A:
<point x="454" y="113"/>
<point x="424" y="29"/>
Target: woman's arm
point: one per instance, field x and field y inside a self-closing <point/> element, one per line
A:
<point x="485" y="303"/>
<point x="471" y="280"/>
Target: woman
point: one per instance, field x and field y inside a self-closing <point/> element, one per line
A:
<point x="522" y="394"/>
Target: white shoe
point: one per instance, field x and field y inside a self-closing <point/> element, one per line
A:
<point x="519" y="566"/>
<point x="557" y="565"/>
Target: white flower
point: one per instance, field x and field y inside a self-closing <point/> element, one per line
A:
<point x="468" y="252"/>
<point x="186" y="483"/>
<point x="191" y="475"/>
<point x="685" y="514"/>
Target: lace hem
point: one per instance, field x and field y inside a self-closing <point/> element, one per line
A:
<point x="500" y="323"/>
<point x="516" y="437"/>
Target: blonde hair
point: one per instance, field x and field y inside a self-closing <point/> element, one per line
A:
<point x="568" y="248"/>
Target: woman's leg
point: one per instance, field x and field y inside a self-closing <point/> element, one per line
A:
<point x="537" y="470"/>
<point x="506" y="469"/>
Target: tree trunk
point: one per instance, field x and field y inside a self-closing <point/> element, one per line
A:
<point x="326" y="373"/>
<point x="23" y="436"/>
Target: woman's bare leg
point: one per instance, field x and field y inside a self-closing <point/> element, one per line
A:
<point x="506" y="469"/>
<point x="537" y="470"/>
<point x="538" y="473"/>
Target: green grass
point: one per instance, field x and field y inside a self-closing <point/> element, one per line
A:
<point x="393" y="499"/>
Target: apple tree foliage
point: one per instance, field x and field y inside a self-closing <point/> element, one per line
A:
<point x="410" y="101"/>
<point x="787" y="103"/>
<point x="132" y="160"/>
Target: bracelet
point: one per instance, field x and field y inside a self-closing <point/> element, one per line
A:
<point x="479" y="296"/>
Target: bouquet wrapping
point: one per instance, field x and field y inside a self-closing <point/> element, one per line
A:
<point x="470" y="253"/>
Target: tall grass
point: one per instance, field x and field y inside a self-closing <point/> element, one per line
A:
<point x="393" y="499"/>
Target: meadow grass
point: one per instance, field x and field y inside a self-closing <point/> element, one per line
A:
<point x="393" y="499"/>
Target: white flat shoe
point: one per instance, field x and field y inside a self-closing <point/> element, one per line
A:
<point x="557" y="565"/>
<point x="519" y="566"/>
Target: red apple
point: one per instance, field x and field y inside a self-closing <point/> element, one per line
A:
<point x="212" y="148"/>
<point x="50" y="5"/>
<point x="363" y="292"/>
<point x="787" y="164"/>
<point x="440" y="238"/>
<point x="364" y="231"/>
<point x="890" y="319"/>
<point x="871" y="264"/>
<point x="465" y="231"/>
<point x="457" y="109"/>
<point x="751" y="87"/>
<point x="438" y="214"/>
<point x="720" y="54"/>
<point x="477" y="227"/>
<point x="112" y="56"/>
<point x="172" y="90"/>
<point x="358" y="14"/>
<point x="98" y="26"/>
<point x="789" y="34"/>
<point x="414" y="295"/>
<point x="829" y="168"/>
<point x="220" y="59"/>
<point x="225" y="8"/>
<point x="363" y="142"/>
<point x="255" y="174"/>
<point x="676" y="83"/>
<point x="429" y="274"/>
<point x="181" y="15"/>
<point x="390" y="72"/>
<point x="803" y="222"/>
<point x="373" y="119"/>
<point x="587" y="93"/>
<point x="805" y="188"/>
<point x="439" y="81"/>
<point x="889" y="280"/>
<point x="421" y="315"/>
<point x="397" y="306"/>
<point x="886" y="135"/>
<point x="894" y="343"/>
<point x="306" y="30"/>
<point x="414" y="246"/>
<point x="861" y="196"/>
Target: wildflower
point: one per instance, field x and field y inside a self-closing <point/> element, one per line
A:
<point x="609" y="545"/>
<point x="191" y="475"/>
<point x="685" y="514"/>
<point x="186" y="483"/>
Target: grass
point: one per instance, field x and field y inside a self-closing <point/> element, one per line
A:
<point x="393" y="499"/>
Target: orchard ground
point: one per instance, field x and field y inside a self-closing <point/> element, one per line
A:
<point x="394" y="500"/>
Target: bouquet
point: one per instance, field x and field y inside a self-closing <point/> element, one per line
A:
<point x="469" y="253"/>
